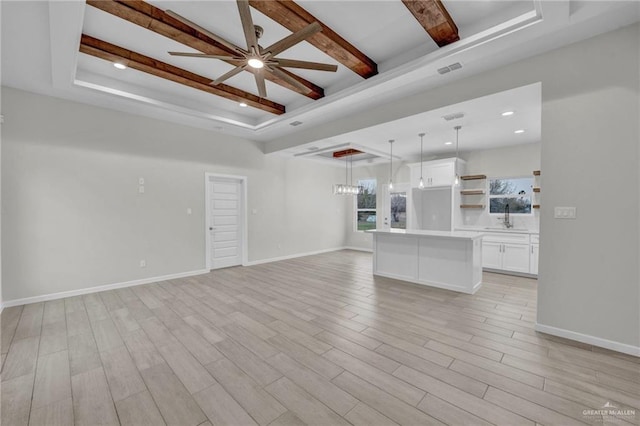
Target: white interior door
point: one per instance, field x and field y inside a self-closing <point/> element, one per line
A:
<point x="225" y="222"/>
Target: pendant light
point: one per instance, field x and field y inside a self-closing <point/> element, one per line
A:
<point x="457" y="181"/>
<point x="421" y="184"/>
<point x="391" y="164"/>
<point x="348" y="188"/>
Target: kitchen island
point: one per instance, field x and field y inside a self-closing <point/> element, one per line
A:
<point x="443" y="259"/>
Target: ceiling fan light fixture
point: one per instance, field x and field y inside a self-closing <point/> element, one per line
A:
<point x="120" y="66"/>
<point x="243" y="104"/>
<point x="255" y="63"/>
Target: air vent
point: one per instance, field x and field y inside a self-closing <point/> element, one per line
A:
<point x="453" y="116"/>
<point x="295" y="123"/>
<point x="450" y="68"/>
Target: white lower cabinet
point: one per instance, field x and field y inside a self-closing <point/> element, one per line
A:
<point x="491" y="255"/>
<point x="535" y="250"/>
<point x="515" y="257"/>
<point x="507" y="252"/>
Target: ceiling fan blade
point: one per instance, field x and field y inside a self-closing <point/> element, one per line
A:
<point x="197" y="27"/>
<point x="204" y="55"/>
<point x="292" y="63"/>
<point x="247" y="25"/>
<point x="262" y="88"/>
<point x="293" y="39"/>
<point x="228" y="75"/>
<point x="286" y="77"/>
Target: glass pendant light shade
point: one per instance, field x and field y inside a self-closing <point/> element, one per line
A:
<point x="456" y="182"/>
<point x="421" y="183"/>
<point x="391" y="164"/>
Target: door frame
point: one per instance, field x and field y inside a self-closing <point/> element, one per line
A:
<point x="386" y="203"/>
<point x="243" y="215"/>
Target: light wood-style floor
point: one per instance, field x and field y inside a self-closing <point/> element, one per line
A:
<point x="316" y="340"/>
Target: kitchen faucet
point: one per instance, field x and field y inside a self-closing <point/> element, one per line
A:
<point x="506" y="220"/>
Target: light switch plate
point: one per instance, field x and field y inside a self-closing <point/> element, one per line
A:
<point x="141" y="189"/>
<point x="564" y="212"/>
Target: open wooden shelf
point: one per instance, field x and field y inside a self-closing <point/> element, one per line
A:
<point x="472" y="192"/>
<point x="536" y="189"/>
<point x="472" y="206"/>
<point x="536" y="172"/>
<point x="473" y="177"/>
<point x="536" y="206"/>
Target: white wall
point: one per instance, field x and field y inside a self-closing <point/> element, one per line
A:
<point x="73" y="218"/>
<point x="512" y="161"/>
<point x="589" y="281"/>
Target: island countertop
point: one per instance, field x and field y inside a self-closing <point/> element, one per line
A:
<point x="463" y="235"/>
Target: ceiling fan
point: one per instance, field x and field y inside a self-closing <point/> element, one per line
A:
<point x="255" y="58"/>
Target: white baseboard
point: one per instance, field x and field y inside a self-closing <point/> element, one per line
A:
<point x="367" y="250"/>
<point x="291" y="256"/>
<point x="435" y="284"/>
<point x="88" y="290"/>
<point x="97" y="289"/>
<point x="591" y="340"/>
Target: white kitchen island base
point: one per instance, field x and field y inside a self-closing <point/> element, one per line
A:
<point x="449" y="260"/>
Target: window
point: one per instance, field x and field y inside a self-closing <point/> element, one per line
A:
<point x="512" y="192"/>
<point x="366" y="205"/>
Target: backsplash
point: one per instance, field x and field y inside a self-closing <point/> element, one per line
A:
<point x="481" y="218"/>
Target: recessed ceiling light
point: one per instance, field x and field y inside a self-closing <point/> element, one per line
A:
<point x="448" y="143"/>
<point x="255" y="63"/>
<point x="243" y="104"/>
<point x="120" y="66"/>
<point x="507" y="113"/>
<point x="517" y="132"/>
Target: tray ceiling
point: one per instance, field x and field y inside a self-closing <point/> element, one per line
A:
<point x="47" y="59"/>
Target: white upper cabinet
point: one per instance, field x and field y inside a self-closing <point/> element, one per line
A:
<point x="435" y="173"/>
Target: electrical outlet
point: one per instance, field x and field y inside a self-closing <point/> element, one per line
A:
<point x="143" y="263"/>
<point x="564" y="212"/>
<point x="141" y="181"/>
<point x="141" y="189"/>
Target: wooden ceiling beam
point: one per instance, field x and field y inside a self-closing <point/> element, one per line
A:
<point x="346" y="152"/>
<point x="435" y="19"/>
<point x="110" y="52"/>
<point x="293" y="17"/>
<point x="157" y="20"/>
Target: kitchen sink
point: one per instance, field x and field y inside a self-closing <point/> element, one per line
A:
<point x="502" y="228"/>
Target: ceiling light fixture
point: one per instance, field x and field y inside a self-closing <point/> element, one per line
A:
<point x="421" y="183"/>
<point x="242" y="104"/>
<point x="120" y="66"/>
<point x="507" y="113"/>
<point x="457" y="180"/>
<point x="391" y="164"/>
<point x="255" y="63"/>
<point x="448" y="143"/>
<point x="517" y="132"/>
<point x="348" y="188"/>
